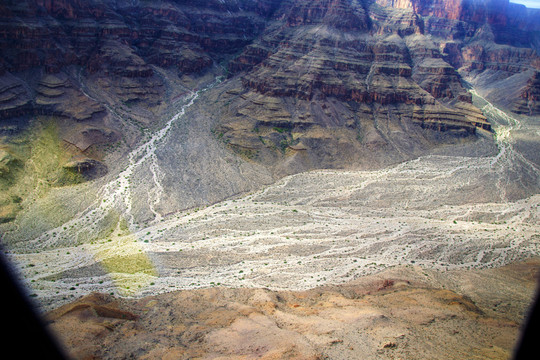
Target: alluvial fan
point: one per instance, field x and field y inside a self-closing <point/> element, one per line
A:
<point x="442" y="211"/>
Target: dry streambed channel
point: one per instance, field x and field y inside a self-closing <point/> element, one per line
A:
<point x="322" y="227"/>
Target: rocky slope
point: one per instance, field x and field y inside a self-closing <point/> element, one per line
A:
<point x="399" y="313"/>
<point x="105" y="71"/>
<point x="316" y="84"/>
<point x="362" y="79"/>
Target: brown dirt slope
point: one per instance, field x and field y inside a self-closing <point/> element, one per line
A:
<point x="396" y="314"/>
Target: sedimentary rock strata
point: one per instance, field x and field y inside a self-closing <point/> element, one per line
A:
<point x="399" y="59"/>
<point x="308" y="84"/>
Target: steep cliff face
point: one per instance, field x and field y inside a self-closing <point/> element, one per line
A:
<point x="103" y="71"/>
<point x="310" y="84"/>
<point x="123" y="40"/>
<point x="494" y="12"/>
<point x="115" y="45"/>
<point x="529" y="102"/>
<point x="341" y="14"/>
<point x="374" y="85"/>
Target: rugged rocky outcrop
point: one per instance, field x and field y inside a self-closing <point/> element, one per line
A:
<point x="309" y="84"/>
<point x="102" y="70"/>
<point x="397" y="65"/>
<point x="381" y="52"/>
<point x="88" y="168"/>
<point x="110" y="49"/>
<point x="398" y="314"/>
<point x="15" y="99"/>
<point x="488" y="41"/>
<point x="530" y="97"/>
<point x="56" y="95"/>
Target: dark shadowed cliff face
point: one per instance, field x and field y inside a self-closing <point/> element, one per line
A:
<point x="375" y="85"/>
<point x="103" y="71"/>
<point x="309" y="84"/>
<point x="118" y="42"/>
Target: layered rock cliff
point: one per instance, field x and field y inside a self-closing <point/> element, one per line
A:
<point x="309" y="84"/>
<point x="104" y="71"/>
<point x="376" y="80"/>
<point x="340" y="49"/>
<point x="114" y="47"/>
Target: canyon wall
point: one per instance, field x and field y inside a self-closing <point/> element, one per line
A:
<point x="308" y="84"/>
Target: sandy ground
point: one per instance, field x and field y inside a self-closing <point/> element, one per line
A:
<point x="439" y="212"/>
<point x="304" y="231"/>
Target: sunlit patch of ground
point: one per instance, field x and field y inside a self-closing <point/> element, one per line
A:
<point x="322" y="227"/>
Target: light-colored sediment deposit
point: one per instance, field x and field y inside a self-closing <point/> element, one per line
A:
<point x="441" y="212"/>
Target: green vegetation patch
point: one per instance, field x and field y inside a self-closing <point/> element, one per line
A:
<point x="31" y="164"/>
<point x="130" y="264"/>
<point x="47" y="157"/>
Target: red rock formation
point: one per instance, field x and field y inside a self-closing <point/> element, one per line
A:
<point x="529" y="103"/>
<point x="345" y="63"/>
<point x="393" y="310"/>
<point x="339" y="13"/>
